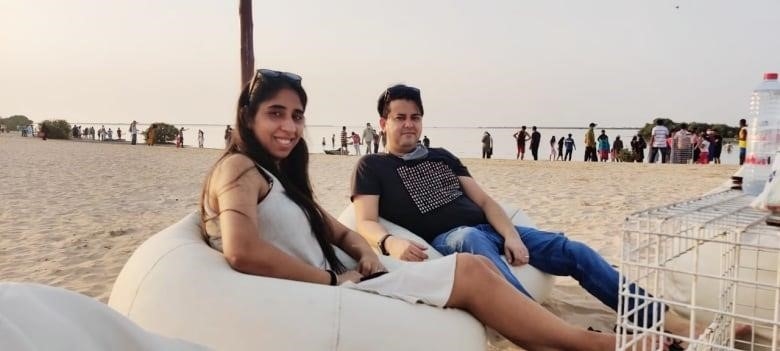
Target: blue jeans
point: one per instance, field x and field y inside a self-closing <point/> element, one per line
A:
<point x="551" y="253"/>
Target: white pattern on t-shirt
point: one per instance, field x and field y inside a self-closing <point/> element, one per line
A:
<point x="430" y="184"/>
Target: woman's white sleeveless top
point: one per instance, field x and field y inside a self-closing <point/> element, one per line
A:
<point x="284" y="224"/>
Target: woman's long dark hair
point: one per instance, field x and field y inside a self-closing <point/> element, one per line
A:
<point x="292" y="172"/>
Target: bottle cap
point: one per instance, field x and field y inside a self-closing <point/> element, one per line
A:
<point x="770" y="76"/>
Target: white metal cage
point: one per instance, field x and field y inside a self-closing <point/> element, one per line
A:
<point x="712" y="259"/>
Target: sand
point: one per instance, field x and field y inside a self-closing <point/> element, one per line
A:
<point x="71" y="213"/>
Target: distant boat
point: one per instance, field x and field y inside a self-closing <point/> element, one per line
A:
<point x="336" y="152"/>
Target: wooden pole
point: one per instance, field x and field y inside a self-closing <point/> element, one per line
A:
<point x="247" y="43"/>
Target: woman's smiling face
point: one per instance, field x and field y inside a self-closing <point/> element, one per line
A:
<point x="279" y="123"/>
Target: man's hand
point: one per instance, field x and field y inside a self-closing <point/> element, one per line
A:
<point x="349" y="276"/>
<point x="369" y="264"/>
<point x="515" y="251"/>
<point x="405" y="250"/>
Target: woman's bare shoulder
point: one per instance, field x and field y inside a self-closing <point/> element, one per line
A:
<point x="240" y="169"/>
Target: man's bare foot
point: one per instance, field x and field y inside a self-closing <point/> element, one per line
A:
<point x="679" y="325"/>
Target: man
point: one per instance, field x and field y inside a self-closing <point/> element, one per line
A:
<point x="344" y="149"/>
<point x="521" y="137"/>
<point x="376" y="142"/>
<point x="569" y="144"/>
<point x="590" y="144"/>
<point x="560" y="148"/>
<point x="742" y="138"/>
<point x="683" y="149"/>
<point x="368" y="137"/>
<point x="426" y="141"/>
<point x="431" y="193"/>
<point x="536" y="139"/>
<point x="716" y="145"/>
<point x="487" y="145"/>
<point x="658" y="137"/>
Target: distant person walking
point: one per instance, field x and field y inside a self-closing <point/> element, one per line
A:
<point x="200" y="138"/>
<point x="590" y="144"/>
<point x="742" y="139"/>
<point x="570" y="147"/>
<point x="426" y="141"/>
<point x="368" y="137"/>
<point x="133" y="133"/>
<point x="658" y="137"/>
<point x="487" y="145"/>
<point x="536" y="140"/>
<point x="333" y="141"/>
<point x="521" y="137"/>
<point x="383" y="136"/>
<point x="119" y="133"/>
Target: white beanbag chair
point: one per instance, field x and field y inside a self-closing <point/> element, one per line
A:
<point x="537" y="284"/>
<point x="175" y="285"/>
<point x="40" y="317"/>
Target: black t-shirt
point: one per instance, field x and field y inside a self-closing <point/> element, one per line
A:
<point x="424" y="196"/>
<point x="536" y="138"/>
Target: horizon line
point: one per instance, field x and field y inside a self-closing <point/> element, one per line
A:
<point x="341" y="125"/>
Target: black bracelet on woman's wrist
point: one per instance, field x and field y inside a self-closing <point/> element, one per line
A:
<point x="381" y="245"/>
<point x="334" y="278"/>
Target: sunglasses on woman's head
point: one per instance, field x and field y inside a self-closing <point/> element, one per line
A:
<point x="265" y="74"/>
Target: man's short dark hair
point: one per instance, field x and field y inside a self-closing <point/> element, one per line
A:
<point x="398" y="92"/>
<point x="742" y="122"/>
<point x="659" y="121"/>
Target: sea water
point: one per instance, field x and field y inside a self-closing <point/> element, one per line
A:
<point x="464" y="142"/>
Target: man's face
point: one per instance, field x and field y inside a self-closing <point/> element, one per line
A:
<point x="403" y="126"/>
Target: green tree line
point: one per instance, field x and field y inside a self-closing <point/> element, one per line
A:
<point x="724" y="130"/>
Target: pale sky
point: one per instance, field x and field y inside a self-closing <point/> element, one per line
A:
<point x="550" y="63"/>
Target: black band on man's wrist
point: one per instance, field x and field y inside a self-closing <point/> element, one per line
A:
<point x="381" y="245"/>
<point x="334" y="279"/>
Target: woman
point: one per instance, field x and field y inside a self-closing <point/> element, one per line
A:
<point x="603" y="146"/>
<point x="258" y="194"/>
<point x="151" y="135"/>
<point x="617" y="145"/>
<point x="552" y="149"/>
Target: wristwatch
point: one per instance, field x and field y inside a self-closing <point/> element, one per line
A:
<point x="381" y="245"/>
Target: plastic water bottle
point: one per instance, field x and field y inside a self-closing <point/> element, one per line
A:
<point x="763" y="134"/>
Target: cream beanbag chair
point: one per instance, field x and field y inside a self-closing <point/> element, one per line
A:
<point x="537" y="284"/>
<point x="40" y="317"/>
<point x="176" y="285"/>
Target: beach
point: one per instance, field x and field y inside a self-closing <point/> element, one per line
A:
<point x="72" y="212"/>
